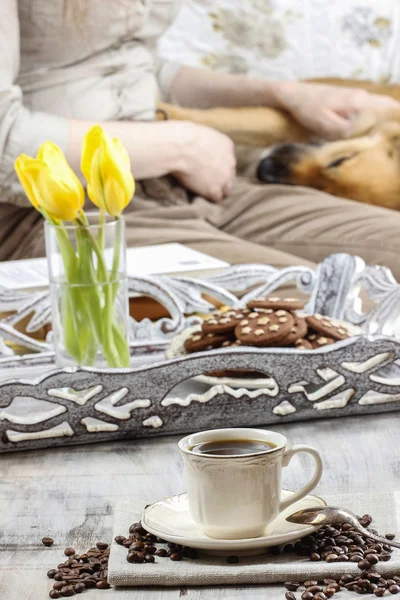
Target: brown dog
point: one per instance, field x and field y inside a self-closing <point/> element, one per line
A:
<point x="365" y="168"/>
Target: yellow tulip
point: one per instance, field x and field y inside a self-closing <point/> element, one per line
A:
<point x="50" y="183"/>
<point x="107" y="168"/>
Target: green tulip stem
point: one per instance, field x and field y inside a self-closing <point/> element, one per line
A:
<point x="114" y="356"/>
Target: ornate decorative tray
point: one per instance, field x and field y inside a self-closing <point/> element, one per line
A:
<point x="70" y="406"/>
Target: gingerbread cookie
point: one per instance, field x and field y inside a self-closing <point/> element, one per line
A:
<point x="297" y="332"/>
<point x="264" y="329"/>
<point x="224" y="322"/>
<point x="199" y="341"/>
<point x="328" y="327"/>
<point x="318" y="341"/>
<point x="276" y="302"/>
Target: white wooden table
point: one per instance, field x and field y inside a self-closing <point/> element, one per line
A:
<point x="69" y="494"/>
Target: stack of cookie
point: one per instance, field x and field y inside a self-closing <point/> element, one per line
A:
<point x="267" y="322"/>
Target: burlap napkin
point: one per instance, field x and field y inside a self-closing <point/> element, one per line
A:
<point x="209" y="570"/>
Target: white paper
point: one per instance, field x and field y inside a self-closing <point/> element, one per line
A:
<point x="161" y="259"/>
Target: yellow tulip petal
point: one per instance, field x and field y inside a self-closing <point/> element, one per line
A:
<point x="27" y="169"/>
<point x="96" y="193"/>
<point x="56" y="161"/>
<point x="106" y="166"/>
<point x="57" y="199"/>
<point x="122" y="152"/>
<point x="91" y="143"/>
<point x="116" y="197"/>
<point x="113" y="166"/>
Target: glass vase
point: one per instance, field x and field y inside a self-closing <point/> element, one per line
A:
<point x="89" y="292"/>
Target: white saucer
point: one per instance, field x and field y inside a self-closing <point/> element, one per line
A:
<point x="170" y="520"/>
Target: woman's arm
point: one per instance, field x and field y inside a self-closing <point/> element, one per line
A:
<point x="203" y="88"/>
<point x="327" y="110"/>
<point x="201" y="157"/>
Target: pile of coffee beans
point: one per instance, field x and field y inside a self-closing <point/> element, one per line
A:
<point x="343" y="543"/>
<point x="80" y="572"/>
<point x="142" y="547"/>
<point x="332" y="543"/>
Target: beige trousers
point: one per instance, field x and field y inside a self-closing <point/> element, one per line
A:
<point x="270" y="224"/>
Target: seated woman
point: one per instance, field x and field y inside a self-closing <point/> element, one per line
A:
<point x="67" y="64"/>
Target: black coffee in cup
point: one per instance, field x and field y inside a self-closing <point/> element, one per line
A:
<point x="232" y="447"/>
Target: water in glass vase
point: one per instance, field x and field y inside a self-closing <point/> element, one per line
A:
<point x="89" y="292"/>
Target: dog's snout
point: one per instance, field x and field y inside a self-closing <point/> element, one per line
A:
<point x="275" y="165"/>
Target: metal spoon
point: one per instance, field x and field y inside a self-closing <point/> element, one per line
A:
<point x="331" y="515"/>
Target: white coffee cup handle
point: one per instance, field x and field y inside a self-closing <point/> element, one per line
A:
<point x="287" y="457"/>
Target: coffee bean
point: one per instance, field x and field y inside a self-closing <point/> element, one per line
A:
<point x="127" y="543"/>
<point x="385" y="556"/>
<point x="149" y="558"/>
<point x="102" y="585"/>
<point x="80" y="587"/>
<point x="357" y="539"/>
<point x="137" y="556"/>
<point x="320" y="596"/>
<point x="394" y="589"/>
<point x="58" y="585"/>
<point x="290" y="596"/>
<point x="102" y="546"/>
<point x="137" y="547"/>
<point x="315" y="557"/>
<point x="390" y="536"/>
<point x="292" y="586"/>
<point x="161" y="552"/>
<point x="307" y="596"/>
<point x="390" y="582"/>
<point x="329" y="592"/>
<point x="119" y="539"/>
<point x="51" y="573"/>
<point x="58" y="576"/>
<point x="47" y="541"/>
<point x="193" y="553"/>
<point x="364" y="564"/>
<point x="67" y="590"/>
<point x="332" y="558"/>
<point x="349" y="586"/>
<point x="232" y="559"/>
<point x="54" y="594"/>
<point x="358" y="589"/>
<point x="178" y="556"/>
<point x="379" y="592"/>
<point x="314" y="589"/>
<point x="310" y="582"/>
<point x="329" y="582"/>
<point x="365" y="520"/>
<point x="151" y="550"/>
<point x="69" y="551"/>
<point x="387" y="548"/>
<point x="372" y="559"/>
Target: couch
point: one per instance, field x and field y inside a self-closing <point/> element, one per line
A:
<point x="289" y="39"/>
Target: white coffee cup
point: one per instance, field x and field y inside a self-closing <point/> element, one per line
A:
<point x="237" y="496"/>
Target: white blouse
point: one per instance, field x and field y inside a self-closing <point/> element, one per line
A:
<point x="75" y="59"/>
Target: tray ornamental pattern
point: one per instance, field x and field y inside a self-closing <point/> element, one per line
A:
<point x="70" y="406"/>
<point x="84" y="405"/>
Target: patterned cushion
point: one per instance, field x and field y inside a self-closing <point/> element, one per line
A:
<point x="289" y="39"/>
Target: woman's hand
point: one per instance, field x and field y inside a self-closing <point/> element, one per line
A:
<point x="208" y="162"/>
<point x="331" y="111"/>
